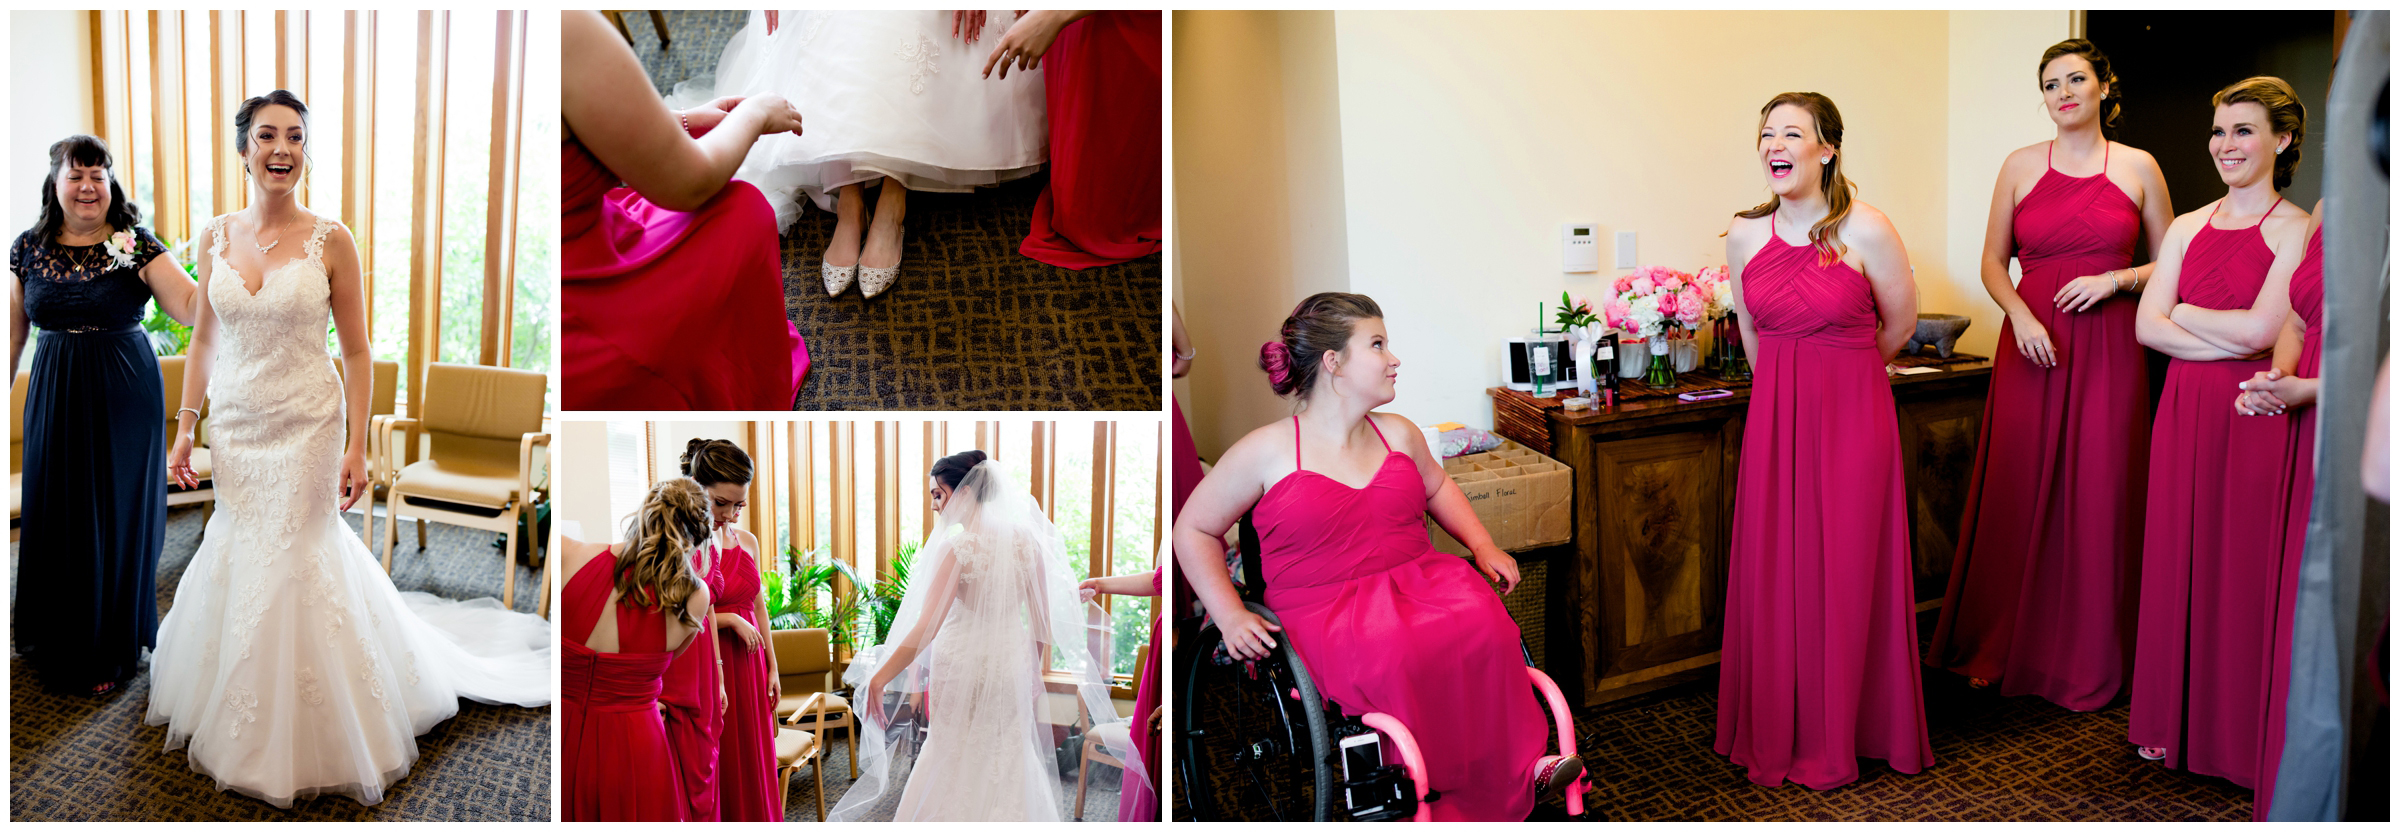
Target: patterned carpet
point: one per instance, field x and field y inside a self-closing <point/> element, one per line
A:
<point x="74" y="758"/>
<point x="800" y="803"/>
<point x="972" y="325"/>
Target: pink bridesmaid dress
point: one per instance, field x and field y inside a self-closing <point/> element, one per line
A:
<point x="746" y="750"/>
<point x="615" y="763"/>
<point x="2043" y="589"/>
<point x="1820" y="659"/>
<point x="1389" y="624"/>
<point x="2211" y="557"/>
<point x="694" y="724"/>
<point x="1139" y="802"/>
<point x="1100" y="80"/>
<point x="2308" y="299"/>
<point x="671" y="310"/>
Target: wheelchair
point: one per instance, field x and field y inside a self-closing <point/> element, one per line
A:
<point x="1257" y="743"/>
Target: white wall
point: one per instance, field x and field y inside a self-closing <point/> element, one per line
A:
<point x="582" y="477"/>
<point x="50" y="95"/>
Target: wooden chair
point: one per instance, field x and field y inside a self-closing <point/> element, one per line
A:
<point x="16" y="454"/>
<point x="657" y="21"/>
<point x="805" y="659"/>
<point x="484" y="423"/>
<point x="795" y="747"/>
<point x="1095" y="738"/>
<point x="170" y="371"/>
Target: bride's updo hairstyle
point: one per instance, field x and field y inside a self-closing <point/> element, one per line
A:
<point x="655" y="569"/>
<point x="248" y="112"/>
<point x="714" y="462"/>
<point x="952" y="470"/>
<point x="2285" y="115"/>
<point x="1320" y="324"/>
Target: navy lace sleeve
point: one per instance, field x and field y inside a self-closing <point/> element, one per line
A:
<point x="82" y="288"/>
<point x="146" y="246"/>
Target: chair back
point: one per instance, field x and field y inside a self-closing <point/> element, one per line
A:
<point x="478" y="414"/>
<point x="805" y="658"/>
<point x="383" y="392"/>
<point x="16" y="424"/>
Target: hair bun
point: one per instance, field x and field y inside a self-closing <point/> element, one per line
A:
<point x="1276" y="359"/>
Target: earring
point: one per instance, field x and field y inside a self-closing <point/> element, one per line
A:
<point x="1825" y="161"/>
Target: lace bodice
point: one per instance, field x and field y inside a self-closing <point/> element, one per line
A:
<point x="82" y="288"/>
<point x="276" y="338"/>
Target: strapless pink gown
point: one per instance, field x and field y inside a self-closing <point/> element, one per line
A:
<point x="2043" y="589"/>
<point x="1389" y="624"/>
<point x="1820" y="660"/>
<point x="2308" y="299"/>
<point x="2211" y="556"/>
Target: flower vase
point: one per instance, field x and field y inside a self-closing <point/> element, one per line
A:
<point x="1686" y="349"/>
<point x="1662" y="364"/>
<point x="1629" y="359"/>
<point x="1732" y="364"/>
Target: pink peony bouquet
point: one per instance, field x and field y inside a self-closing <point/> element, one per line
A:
<point x="1655" y="299"/>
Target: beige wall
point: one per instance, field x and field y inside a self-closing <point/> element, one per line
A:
<point x="1995" y="108"/>
<point x="1465" y="139"/>
<point x="50" y="87"/>
<point x="1258" y="180"/>
<point x="582" y="478"/>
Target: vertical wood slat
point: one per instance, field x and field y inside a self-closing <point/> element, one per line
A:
<point x="97" y="22"/>
<point x="500" y="215"/>
<point x="1104" y="478"/>
<point x="123" y="118"/>
<point x="888" y="478"/>
<point x="170" y="177"/>
<point x="358" y="143"/>
<point x="759" y="437"/>
<point x="291" y="73"/>
<point x="1038" y="469"/>
<point x="983" y="438"/>
<point x="844" y="480"/>
<point x="925" y="495"/>
<point x="229" y="190"/>
<point x="425" y="225"/>
<point x="802" y="466"/>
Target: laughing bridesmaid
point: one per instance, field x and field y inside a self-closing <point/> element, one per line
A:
<point x="1820" y="659"/>
<point x="2217" y="303"/>
<point x="2042" y="592"/>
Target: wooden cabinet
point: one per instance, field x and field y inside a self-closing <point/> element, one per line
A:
<point x="1644" y="587"/>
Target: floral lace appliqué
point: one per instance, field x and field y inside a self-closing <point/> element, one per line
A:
<point x="239" y="704"/>
<point x="370" y="671"/>
<point x="923" y="54"/>
<point x="309" y="691"/>
<point x="249" y="610"/>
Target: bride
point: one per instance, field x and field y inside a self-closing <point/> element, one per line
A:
<point x="957" y="701"/>
<point x="289" y="664"/>
<point x="895" y="100"/>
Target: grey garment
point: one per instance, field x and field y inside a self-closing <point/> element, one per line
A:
<point x="2346" y="565"/>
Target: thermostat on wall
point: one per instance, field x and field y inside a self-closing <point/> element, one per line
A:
<point x="1580" y="243"/>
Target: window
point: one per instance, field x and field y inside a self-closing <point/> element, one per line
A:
<point x="435" y="207"/>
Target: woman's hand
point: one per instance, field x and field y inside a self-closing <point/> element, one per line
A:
<point x="354" y="477"/>
<point x="1246" y="635"/>
<point x="875" y="688"/>
<point x="179" y="462"/>
<point x="1499" y="567"/>
<point x="2033" y="341"/>
<point x="1086" y="591"/>
<point x="967" y="27"/>
<point x="775" y="114"/>
<point x="1026" y="41"/>
<point x="741" y="628"/>
<point x="774" y="693"/>
<point x="2272" y="392"/>
<point x="2083" y="293"/>
<point x="724" y="700"/>
<point x="699" y="120"/>
<point x="772" y="16"/>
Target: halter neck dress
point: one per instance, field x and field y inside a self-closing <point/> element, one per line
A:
<point x="614" y="763"/>
<point x="2308" y="301"/>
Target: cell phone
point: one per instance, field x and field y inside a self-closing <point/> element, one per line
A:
<point x="1361" y="755"/>
<point x="1703" y="395"/>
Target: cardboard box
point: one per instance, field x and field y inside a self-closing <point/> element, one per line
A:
<point x="1521" y="496"/>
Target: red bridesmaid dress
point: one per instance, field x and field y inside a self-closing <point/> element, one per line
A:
<point x="2043" y="590"/>
<point x="616" y="764"/>
<point x="694" y="724"/>
<point x="1100" y="80"/>
<point x="1138" y="802"/>
<point x="2308" y="299"/>
<point x="1389" y="624"/>
<point x="746" y="750"/>
<point x="2211" y="562"/>
<point x="1820" y="660"/>
<point x="671" y="310"/>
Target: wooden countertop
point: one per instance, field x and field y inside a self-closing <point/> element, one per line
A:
<point x="1957" y="368"/>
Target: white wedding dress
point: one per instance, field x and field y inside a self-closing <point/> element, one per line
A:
<point x="971" y="727"/>
<point x="289" y="665"/>
<point x="880" y="93"/>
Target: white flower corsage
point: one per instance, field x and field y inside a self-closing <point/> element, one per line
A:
<point x="120" y="248"/>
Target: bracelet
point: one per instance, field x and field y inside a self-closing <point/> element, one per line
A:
<point x="183" y="410"/>
<point x="1187" y="356"/>
<point x="685" y="119"/>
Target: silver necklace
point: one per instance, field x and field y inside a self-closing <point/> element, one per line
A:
<point x="270" y="246"/>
